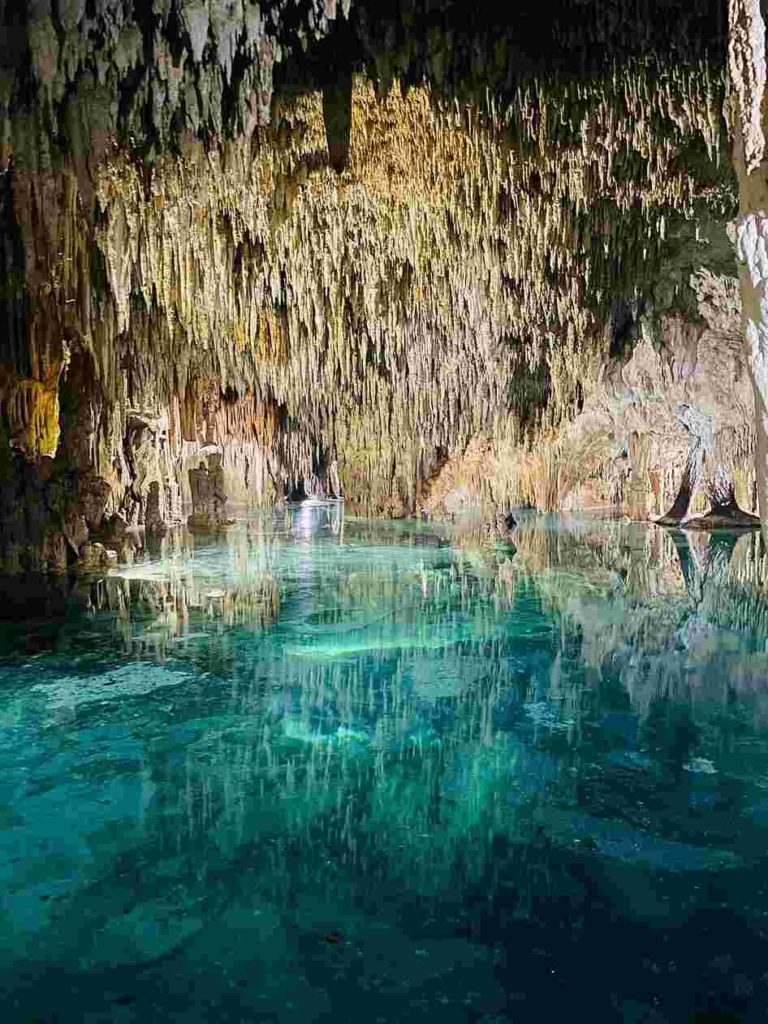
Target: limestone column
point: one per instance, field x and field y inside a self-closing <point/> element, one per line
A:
<point x="747" y="117"/>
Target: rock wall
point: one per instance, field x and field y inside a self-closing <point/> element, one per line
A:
<point x="685" y="382"/>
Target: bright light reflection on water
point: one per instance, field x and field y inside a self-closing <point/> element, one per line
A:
<point x="323" y="770"/>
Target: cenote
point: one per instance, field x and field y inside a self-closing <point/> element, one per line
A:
<point x="383" y="512"/>
<point x="317" y="768"/>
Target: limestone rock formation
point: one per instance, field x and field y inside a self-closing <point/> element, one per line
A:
<point x="374" y="248"/>
<point x="658" y="422"/>
<point x="747" y="77"/>
<point x="208" y="495"/>
<point x="94" y="556"/>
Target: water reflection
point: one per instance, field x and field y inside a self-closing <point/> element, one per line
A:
<point x="308" y="518"/>
<point x="494" y="775"/>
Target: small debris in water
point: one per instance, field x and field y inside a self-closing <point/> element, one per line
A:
<point x="701" y="765"/>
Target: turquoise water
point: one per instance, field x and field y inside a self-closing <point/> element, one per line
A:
<point x="327" y="770"/>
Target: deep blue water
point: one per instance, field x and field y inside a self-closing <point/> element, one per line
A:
<point x="312" y="771"/>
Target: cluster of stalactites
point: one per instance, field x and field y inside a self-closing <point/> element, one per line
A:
<point x="392" y="310"/>
<point x="146" y="72"/>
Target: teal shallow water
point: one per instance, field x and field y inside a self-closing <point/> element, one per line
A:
<point x="316" y="770"/>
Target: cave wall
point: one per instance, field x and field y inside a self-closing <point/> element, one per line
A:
<point x="337" y="242"/>
<point x="684" y="383"/>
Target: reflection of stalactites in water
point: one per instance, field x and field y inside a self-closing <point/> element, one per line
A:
<point x="157" y="616"/>
<point x="309" y="763"/>
<point x="370" y="710"/>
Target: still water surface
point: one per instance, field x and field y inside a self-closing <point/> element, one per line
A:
<point x="323" y="771"/>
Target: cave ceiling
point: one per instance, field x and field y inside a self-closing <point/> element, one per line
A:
<point x="381" y="228"/>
